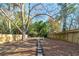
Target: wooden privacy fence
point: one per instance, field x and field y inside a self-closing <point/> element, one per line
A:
<point x="71" y="36"/>
<point x="9" y="37"/>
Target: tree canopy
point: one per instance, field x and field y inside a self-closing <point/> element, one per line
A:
<point x="16" y="18"/>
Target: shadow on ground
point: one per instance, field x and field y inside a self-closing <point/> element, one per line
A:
<point x="28" y="48"/>
<point x="20" y="48"/>
<point x="60" y="48"/>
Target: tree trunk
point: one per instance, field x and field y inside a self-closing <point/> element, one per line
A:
<point x="23" y="22"/>
<point x="64" y="24"/>
<point x="64" y="15"/>
<point x="28" y="17"/>
<point x="9" y="24"/>
<point x="71" y="24"/>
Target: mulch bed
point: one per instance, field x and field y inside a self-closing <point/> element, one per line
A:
<point x="60" y="48"/>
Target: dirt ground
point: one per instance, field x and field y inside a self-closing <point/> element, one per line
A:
<point x="20" y="48"/>
<point x="60" y="48"/>
<point x="28" y="48"/>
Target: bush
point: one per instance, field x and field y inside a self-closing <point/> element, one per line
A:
<point x="39" y="28"/>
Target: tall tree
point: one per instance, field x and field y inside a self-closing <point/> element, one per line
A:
<point x="66" y="10"/>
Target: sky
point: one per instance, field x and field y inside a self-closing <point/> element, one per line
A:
<point x="51" y="8"/>
<point x="42" y="8"/>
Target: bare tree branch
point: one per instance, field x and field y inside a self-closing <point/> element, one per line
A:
<point x="41" y="14"/>
<point x="10" y="19"/>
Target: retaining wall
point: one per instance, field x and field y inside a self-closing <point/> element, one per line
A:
<point x="9" y="37"/>
<point x="71" y="36"/>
